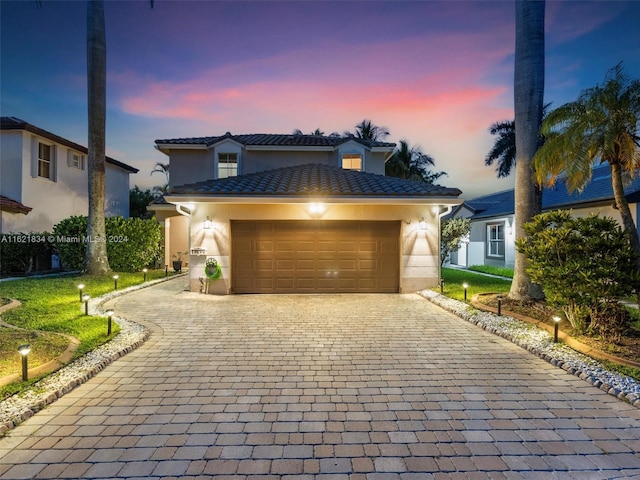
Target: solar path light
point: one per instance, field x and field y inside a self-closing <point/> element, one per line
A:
<point x="556" y="321"/>
<point x="85" y="299"/>
<point x="80" y="290"/>
<point x="109" y="315"/>
<point x="24" y="351"/>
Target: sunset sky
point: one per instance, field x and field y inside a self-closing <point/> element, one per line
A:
<point x="437" y="73"/>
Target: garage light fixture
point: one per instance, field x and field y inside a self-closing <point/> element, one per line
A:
<point x="316" y="209"/>
<point x="422" y="225"/>
<point x="208" y="224"/>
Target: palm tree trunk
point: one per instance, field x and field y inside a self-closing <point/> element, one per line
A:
<point x="96" y="260"/>
<point x="528" y="102"/>
<point x="625" y="211"/>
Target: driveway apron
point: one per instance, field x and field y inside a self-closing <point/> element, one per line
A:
<point x="358" y="387"/>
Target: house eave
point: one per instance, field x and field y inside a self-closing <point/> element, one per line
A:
<point x="289" y="148"/>
<point x="301" y="199"/>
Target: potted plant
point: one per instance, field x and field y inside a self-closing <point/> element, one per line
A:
<point x="177" y="261"/>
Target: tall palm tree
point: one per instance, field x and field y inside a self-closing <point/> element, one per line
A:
<point x="504" y="149"/>
<point x="602" y="125"/>
<point x="528" y="91"/>
<point x="411" y="163"/>
<point x="96" y="261"/>
<point x="366" y="130"/>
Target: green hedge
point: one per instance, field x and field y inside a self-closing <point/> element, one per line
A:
<point x="132" y="243"/>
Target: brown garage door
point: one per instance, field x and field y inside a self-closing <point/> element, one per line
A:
<point x="315" y="256"/>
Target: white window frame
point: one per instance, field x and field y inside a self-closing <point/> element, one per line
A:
<point x="348" y="158"/>
<point x="225" y="169"/>
<point x="495" y="239"/>
<point x="76" y="160"/>
<point x="49" y="162"/>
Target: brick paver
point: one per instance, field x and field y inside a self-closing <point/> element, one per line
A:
<point x="354" y="387"/>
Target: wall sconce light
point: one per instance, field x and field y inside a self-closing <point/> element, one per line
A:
<point x="422" y="225"/>
<point x="316" y="209"/>
<point x="208" y="224"/>
<point x="24" y="351"/>
<point x="115" y="282"/>
<point x="85" y="299"/>
<point x="109" y="315"/>
<point x="144" y="271"/>
<point x="465" y="286"/>
<point x="80" y="289"/>
<point x="556" y="321"/>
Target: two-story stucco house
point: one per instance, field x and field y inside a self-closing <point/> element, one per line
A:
<point x="492" y="237"/>
<point x="43" y="179"/>
<point x="302" y="213"/>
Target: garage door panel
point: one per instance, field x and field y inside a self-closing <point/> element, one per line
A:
<point x="315" y="256"/>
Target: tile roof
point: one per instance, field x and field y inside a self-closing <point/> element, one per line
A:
<point x="598" y="190"/>
<point x="315" y="179"/>
<point x="269" y="139"/>
<point x="13" y="123"/>
<point x="12" y="206"/>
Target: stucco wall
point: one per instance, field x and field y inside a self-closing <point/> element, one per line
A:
<point x="419" y="264"/>
<point x="190" y="166"/>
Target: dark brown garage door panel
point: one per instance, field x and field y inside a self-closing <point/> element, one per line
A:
<point x="315" y="256"/>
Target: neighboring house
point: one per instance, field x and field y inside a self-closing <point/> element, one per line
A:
<point x="492" y="239"/>
<point x="302" y="213"/>
<point x="43" y="179"/>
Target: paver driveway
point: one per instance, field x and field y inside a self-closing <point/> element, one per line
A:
<point x="329" y="387"/>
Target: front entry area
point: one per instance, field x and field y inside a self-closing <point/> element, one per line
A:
<point x="315" y="256"/>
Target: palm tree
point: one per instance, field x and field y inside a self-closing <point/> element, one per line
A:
<point x="366" y="130"/>
<point x="96" y="261"/>
<point x="411" y="163"/>
<point x="528" y="102"/>
<point x="602" y="125"/>
<point x="504" y="148"/>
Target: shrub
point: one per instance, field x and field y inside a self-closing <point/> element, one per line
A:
<point x="132" y="243"/>
<point x="24" y="252"/>
<point x="584" y="266"/>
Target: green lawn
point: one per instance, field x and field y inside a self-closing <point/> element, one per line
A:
<point x="53" y="305"/>
<point x="477" y="283"/>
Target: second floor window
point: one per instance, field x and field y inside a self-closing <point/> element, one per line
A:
<point x="227" y="165"/>
<point x="495" y="240"/>
<point x="352" y="161"/>
<point x="45" y="160"/>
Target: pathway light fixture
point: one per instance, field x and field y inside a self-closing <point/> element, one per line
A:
<point x="24" y="351"/>
<point x="556" y="321"/>
<point x="499" y="305"/>
<point x="85" y="299"/>
<point x="80" y="290"/>
<point x="109" y="314"/>
<point x="144" y="271"/>
<point x="115" y="282"/>
<point x="465" y="286"/>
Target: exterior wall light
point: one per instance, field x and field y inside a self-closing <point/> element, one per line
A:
<point x="85" y="299"/>
<point x="316" y="209"/>
<point x="556" y="322"/>
<point x="422" y="225"/>
<point x="208" y="224"/>
<point x="109" y="315"/>
<point x="144" y="271"/>
<point x="24" y="351"/>
<point x="80" y="289"/>
<point x="115" y="282"/>
<point x="465" y="286"/>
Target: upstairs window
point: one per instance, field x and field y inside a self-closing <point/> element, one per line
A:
<point x="495" y="240"/>
<point x="352" y="161"/>
<point x="45" y="160"/>
<point x="75" y="160"/>
<point x="227" y="165"/>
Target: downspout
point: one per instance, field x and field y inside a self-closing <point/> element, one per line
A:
<point x="447" y="211"/>
<point x="186" y="213"/>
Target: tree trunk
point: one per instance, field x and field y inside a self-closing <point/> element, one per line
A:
<point x="96" y="261"/>
<point x="528" y="93"/>
<point x="623" y="207"/>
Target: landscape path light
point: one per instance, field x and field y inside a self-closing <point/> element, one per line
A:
<point x="465" y="286"/>
<point x="109" y="315"/>
<point x="80" y="290"/>
<point x="556" y="321"/>
<point x="442" y="285"/>
<point x="499" y="305"/>
<point x="166" y="270"/>
<point x="24" y="351"/>
<point x="115" y="282"/>
<point x="85" y="299"/>
<point x="144" y="270"/>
